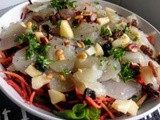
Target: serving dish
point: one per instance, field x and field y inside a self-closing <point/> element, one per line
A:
<point x="14" y="15"/>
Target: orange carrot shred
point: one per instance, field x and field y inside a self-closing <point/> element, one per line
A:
<point x="32" y="97"/>
<point x="4" y="60"/>
<point x="143" y="98"/>
<point x="92" y="102"/>
<point x="108" y="111"/>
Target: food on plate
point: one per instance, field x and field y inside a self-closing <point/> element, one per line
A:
<point x="80" y="61"/>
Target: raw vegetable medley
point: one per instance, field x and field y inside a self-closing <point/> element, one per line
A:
<point x="80" y="61"/>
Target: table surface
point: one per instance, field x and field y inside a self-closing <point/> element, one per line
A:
<point x="148" y="9"/>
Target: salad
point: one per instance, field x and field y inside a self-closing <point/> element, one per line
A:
<point x="80" y="61"/>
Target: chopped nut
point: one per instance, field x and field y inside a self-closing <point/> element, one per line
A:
<point x="67" y="43"/>
<point x="22" y="23"/>
<point x="59" y="52"/>
<point x="80" y="44"/>
<point x="61" y="57"/>
<point x="62" y="78"/>
<point x="146" y="50"/>
<point x="133" y="47"/>
<point x="87" y="13"/>
<point x="80" y="70"/>
<point x="40" y="28"/>
<point x="29" y="25"/>
<point x="79" y="17"/>
<point x="50" y="37"/>
<point x="82" y="56"/>
<point x="50" y="76"/>
<point x="44" y="40"/>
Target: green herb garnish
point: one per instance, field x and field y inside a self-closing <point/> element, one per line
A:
<point x="96" y="3"/>
<point x="105" y="32"/>
<point x="126" y="73"/>
<point x="87" y="42"/>
<point x="35" y="27"/>
<point x="135" y="39"/>
<point x="43" y="61"/>
<point x="65" y="72"/>
<point x="117" y="52"/>
<point x="63" y="4"/>
<point x="80" y="112"/>
<point x="102" y="61"/>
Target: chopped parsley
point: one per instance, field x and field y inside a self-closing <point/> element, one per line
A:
<point x="65" y="72"/>
<point x="102" y="61"/>
<point x="105" y="32"/>
<point x="126" y="73"/>
<point x="35" y="27"/>
<point x="43" y="61"/>
<point x="117" y="52"/>
<point x="96" y="3"/>
<point x="135" y="39"/>
<point x="87" y="42"/>
<point x="62" y="4"/>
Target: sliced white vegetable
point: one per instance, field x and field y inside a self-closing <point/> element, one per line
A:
<point x="19" y="61"/>
<point x="111" y="69"/>
<point x="99" y="50"/>
<point x="123" y="41"/>
<point x="62" y="86"/>
<point x="133" y="109"/>
<point x="32" y="71"/>
<point x="121" y="105"/>
<point x="87" y="78"/>
<point x="121" y="90"/>
<point x="68" y="52"/>
<point x="87" y="31"/>
<point x="66" y="30"/>
<point x="126" y="106"/>
<point x="103" y="21"/>
<point x="56" y="96"/>
<point x="148" y="77"/>
<point x="90" y="51"/>
<point x="8" y="37"/>
<point x="39" y="81"/>
<point x="37" y="6"/>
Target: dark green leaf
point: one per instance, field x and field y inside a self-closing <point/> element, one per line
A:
<point x="105" y="32"/>
<point x="97" y="3"/>
<point x="35" y="27"/>
<point x="87" y="42"/>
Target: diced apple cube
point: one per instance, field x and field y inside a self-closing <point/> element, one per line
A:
<point x="102" y="21"/>
<point x="133" y="109"/>
<point x="56" y="96"/>
<point x="32" y="71"/>
<point x="66" y="30"/>
<point x="39" y="81"/>
<point x="123" y="41"/>
<point x="90" y="51"/>
<point x="99" y="50"/>
<point x="121" y="106"/>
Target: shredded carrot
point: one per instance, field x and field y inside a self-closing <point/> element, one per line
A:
<point x="16" y="87"/>
<point x="58" y="107"/>
<point x="92" y="102"/>
<point x="2" y="54"/>
<point x="4" y="60"/>
<point x="78" y="94"/>
<point x="103" y="117"/>
<point x="24" y="91"/>
<point x="32" y="97"/>
<point x="143" y="98"/>
<point x="42" y="107"/>
<point x="108" y="111"/>
<point x="16" y="76"/>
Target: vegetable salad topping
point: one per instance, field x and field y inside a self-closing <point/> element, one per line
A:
<point x="79" y="60"/>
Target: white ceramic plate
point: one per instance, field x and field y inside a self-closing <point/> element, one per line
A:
<point x="14" y="15"/>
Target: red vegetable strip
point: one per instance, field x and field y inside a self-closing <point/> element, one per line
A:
<point x="21" y="79"/>
<point x="92" y="102"/>
<point x="24" y="92"/>
<point x="58" y="107"/>
<point x="32" y="97"/>
<point x="103" y="117"/>
<point x="143" y="98"/>
<point x="151" y="38"/>
<point x="16" y="87"/>
<point x="2" y="54"/>
<point x="108" y="111"/>
<point x="4" y="60"/>
<point x="73" y="101"/>
<point x="42" y="107"/>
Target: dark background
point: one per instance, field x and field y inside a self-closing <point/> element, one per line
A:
<point x="148" y="9"/>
